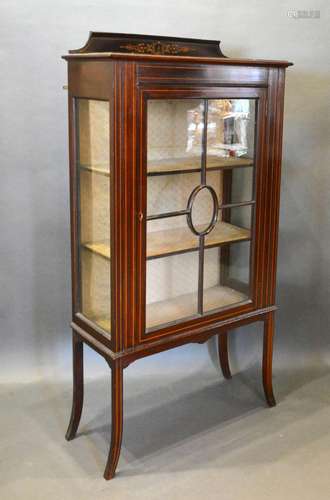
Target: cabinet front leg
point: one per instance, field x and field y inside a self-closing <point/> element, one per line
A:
<point x="268" y="359"/>
<point x="78" y="387"/>
<point x="223" y="354"/>
<point x="117" y="419"/>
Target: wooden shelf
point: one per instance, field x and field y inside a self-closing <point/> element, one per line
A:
<point x="180" y="240"/>
<point x="179" y="165"/>
<point x="170" y="241"/>
<point x="193" y="164"/>
<point x="185" y="306"/>
<point x="97" y="169"/>
<point x="101" y="248"/>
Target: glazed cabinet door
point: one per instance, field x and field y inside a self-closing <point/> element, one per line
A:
<point x="200" y="202"/>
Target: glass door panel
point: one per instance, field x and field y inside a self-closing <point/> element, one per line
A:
<point x="93" y="168"/>
<point x="230" y="132"/>
<point x="226" y="275"/>
<point x="233" y="225"/>
<point x="175" y="131"/>
<point x="169" y="193"/>
<point x="200" y="206"/>
<point x="172" y="288"/>
<point x="230" y="138"/>
<point x="238" y="184"/>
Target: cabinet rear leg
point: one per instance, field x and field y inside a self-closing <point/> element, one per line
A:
<point x="78" y="387"/>
<point x="267" y="362"/>
<point x="223" y="354"/>
<point x="117" y="419"/>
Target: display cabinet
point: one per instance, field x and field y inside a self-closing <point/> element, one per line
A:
<point x="175" y="155"/>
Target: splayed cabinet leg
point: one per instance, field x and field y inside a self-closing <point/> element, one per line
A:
<point x="267" y="363"/>
<point x="223" y="354"/>
<point x="117" y="419"/>
<point x="78" y="387"/>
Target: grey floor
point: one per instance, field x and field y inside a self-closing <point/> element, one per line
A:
<point x="189" y="436"/>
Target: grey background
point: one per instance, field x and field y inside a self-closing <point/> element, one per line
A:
<point x="35" y="249"/>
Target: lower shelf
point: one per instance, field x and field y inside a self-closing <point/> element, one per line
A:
<point x="185" y="306"/>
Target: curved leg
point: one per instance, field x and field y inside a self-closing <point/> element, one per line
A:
<point x="223" y="354"/>
<point x="117" y="419"/>
<point x="267" y="362"/>
<point x="78" y="387"/>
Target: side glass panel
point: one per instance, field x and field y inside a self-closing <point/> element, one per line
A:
<point x="200" y="206"/>
<point x="93" y="167"/>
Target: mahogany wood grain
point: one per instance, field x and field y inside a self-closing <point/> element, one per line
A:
<point x="101" y="56"/>
<point x="148" y="44"/>
<point x="223" y="354"/>
<point x="78" y="386"/>
<point x="195" y="334"/>
<point x="267" y="362"/>
<point x="117" y="418"/>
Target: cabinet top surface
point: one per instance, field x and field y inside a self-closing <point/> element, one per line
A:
<point x="159" y="48"/>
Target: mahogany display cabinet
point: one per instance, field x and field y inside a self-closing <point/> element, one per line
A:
<point x="175" y="155"/>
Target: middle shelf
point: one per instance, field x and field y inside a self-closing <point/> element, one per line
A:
<point x="179" y="240"/>
<point x="192" y="164"/>
<point x="176" y="165"/>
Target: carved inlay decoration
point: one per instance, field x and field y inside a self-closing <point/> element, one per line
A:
<point x="157" y="48"/>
